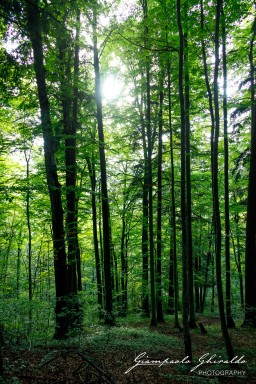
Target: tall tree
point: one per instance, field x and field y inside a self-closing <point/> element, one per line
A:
<point x="92" y="173"/>
<point x="183" y="203"/>
<point x="215" y="186"/>
<point x="173" y="285"/>
<point x="230" y="321"/>
<point x="192" y="321"/>
<point x="160" y="316"/>
<point x="109" y="317"/>
<point x="250" y="252"/>
<point x="149" y="170"/>
<point x="34" y="25"/>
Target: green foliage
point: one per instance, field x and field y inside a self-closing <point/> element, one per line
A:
<point x="135" y="339"/>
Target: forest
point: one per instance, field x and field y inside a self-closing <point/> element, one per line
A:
<point x="128" y="191"/>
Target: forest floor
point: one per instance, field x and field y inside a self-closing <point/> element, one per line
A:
<point x="104" y="355"/>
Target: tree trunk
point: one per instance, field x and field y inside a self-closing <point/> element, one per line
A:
<point x="185" y="277"/>
<point x="60" y="262"/>
<point x="215" y="190"/>
<point x="237" y="255"/>
<point x="19" y="243"/>
<point x="30" y="287"/>
<point x="30" y="292"/>
<point x="230" y="321"/>
<point x="209" y="256"/>
<point x="124" y="263"/>
<point x="149" y="175"/>
<point x="109" y="318"/>
<point x="91" y="168"/>
<point x="145" y="266"/>
<point x="173" y="247"/>
<point x="160" y="316"/>
<point x="250" y="251"/>
<point x="192" y="320"/>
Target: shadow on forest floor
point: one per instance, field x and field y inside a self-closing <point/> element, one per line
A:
<point x="104" y="355"/>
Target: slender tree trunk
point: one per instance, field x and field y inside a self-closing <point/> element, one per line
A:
<point x="124" y="268"/>
<point x="160" y="316"/>
<point x="144" y="235"/>
<point x="109" y="318"/>
<point x="230" y="321"/>
<point x="209" y="256"/>
<point x="149" y="175"/>
<point x="91" y="168"/>
<point x="30" y="287"/>
<point x="197" y="285"/>
<point x="250" y="251"/>
<point x="145" y="253"/>
<point x="124" y="253"/>
<point x="192" y="320"/>
<point x="173" y="249"/>
<point x="211" y="110"/>
<point x="185" y="287"/>
<point x="215" y="189"/>
<point x="116" y="275"/>
<point x="74" y="132"/>
<point x="238" y="261"/>
<point x="60" y="262"/>
<point x="213" y="286"/>
<point x="30" y="292"/>
<point x="18" y="265"/>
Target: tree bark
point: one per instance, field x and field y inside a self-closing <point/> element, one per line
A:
<point x="91" y="168"/>
<point x="215" y="189"/>
<point x="54" y="187"/>
<point x="149" y="174"/>
<point x="185" y="278"/>
<point x="160" y="316"/>
<point x="173" y="246"/>
<point x="230" y="321"/>
<point x="109" y="318"/>
<point x="192" y="320"/>
<point x="250" y="250"/>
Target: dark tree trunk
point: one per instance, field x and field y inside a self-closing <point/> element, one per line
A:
<point x="215" y="190"/>
<point x="124" y="263"/>
<point x="250" y="251"/>
<point x="192" y="320"/>
<point x="197" y="285"/>
<point x="30" y="287"/>
<point x="208" y="259"/>
<point x="115" y="274"/>
<point x="70" y="162"/>
<point x="144" y="235"/>
<point x="149" y="173"/>
<point x="171" y="291"/>
<point x="230" y="321"/>
<point x="237" y="255"/>
<point x="185" y="277"/>
<point x="19" y="243"/>
<point x="160" y="316"/>
<point x="109" y="318"/>
<point x="60" y="262"/>
<point x="145" y="266"/>
<point x="173" y="247"/>
<point x="91" y="168"/>
<point x="74" y="132"/>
